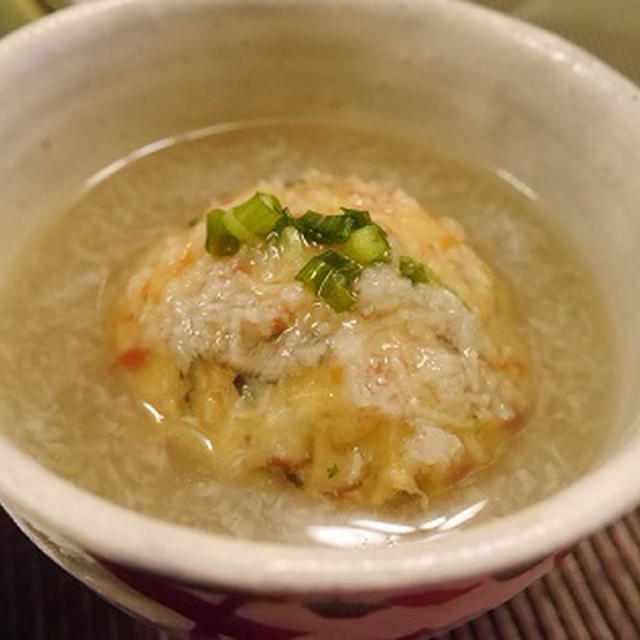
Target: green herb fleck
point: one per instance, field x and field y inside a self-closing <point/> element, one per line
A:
<point x="332" y="470"/>
<point x="415" y="271"/>
<point x="421" y="273"/>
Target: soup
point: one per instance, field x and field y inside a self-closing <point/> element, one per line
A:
<point x="71" y="406"/>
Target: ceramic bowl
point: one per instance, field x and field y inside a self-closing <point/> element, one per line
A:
<point x="88" y="85"/>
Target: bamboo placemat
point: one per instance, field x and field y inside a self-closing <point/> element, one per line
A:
<point x="594" y="592"/>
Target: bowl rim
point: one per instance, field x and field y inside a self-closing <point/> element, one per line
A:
<point x="195" y="557"/>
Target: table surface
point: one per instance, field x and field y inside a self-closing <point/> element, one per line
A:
<point x="594" y="592"/>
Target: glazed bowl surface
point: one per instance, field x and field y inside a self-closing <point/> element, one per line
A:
<point x="554" y="120"/>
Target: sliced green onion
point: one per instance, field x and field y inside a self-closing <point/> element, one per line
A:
<point x="368" y="244"/>
<point x="236" y="228"/>
<point x="291" y="245"/>
<point x="324" y="229"/>
<point x="331" y="276"/>
<point x="219" y="241"/>
<point x="285" y="220"/>
<point x="337" y="292"/>
<point x="315" y="272"/>
<point x="359" y="218"/>
<point x="347" y="267"/>
<point x="331" y="229"/>
<point x="259" y="214"/>
<point x="254" y="218"/>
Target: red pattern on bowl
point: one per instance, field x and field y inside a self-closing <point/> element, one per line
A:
<point x="218" y="612"/>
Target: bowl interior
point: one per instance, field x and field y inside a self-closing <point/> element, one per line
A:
<point x="544" y="113"/>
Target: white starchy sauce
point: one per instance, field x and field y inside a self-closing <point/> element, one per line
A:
<point x="63" y="401"/>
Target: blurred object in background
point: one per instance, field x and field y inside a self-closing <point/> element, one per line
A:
<point x="14" y="13"/>
<point x="609" y="29"/>
<point x="60" y="4"/>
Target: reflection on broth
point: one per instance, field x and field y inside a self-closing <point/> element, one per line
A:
<point x="127" y="373"/>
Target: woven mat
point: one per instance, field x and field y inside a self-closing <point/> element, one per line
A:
<point x="594" y="592"/>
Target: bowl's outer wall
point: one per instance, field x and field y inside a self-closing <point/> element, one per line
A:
<point x="201" y="613"/>
<point x="129" y="73"/>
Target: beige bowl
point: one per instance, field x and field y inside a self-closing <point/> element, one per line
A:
<point x="101" y="80"/>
